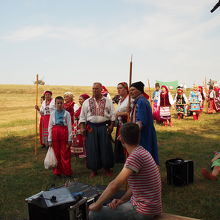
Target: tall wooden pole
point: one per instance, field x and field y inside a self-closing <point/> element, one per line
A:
<point x="149" y="90"/>
<point x="130" y="73"/>
<point x="36" y="122"/>
<point x="129" y="85"/>
<point x="206" y="93"/>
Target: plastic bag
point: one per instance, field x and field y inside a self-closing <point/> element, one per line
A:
<point x="50" y="159"/>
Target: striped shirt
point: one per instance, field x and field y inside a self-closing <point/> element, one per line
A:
<point x="145" y="182"/>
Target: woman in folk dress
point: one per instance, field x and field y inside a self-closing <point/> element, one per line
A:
<point x="121" y="117"/>
<point x="47" y="107"/>
<point x="165" y="101"/>
<point x="78" y="146"/>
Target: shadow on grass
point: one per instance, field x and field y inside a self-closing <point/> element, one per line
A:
<point x="196" y="199"/>
<point x="22" y="173"/>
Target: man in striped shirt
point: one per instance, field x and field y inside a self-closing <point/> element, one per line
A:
<point x="143" y="197"/>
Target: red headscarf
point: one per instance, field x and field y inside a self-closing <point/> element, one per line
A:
<point x="84" y="96"/>
<point x="47" y="91"/>
<point x="104" y="91"/>
<point x="163" y="86"/>
<point x="124" y="84"/>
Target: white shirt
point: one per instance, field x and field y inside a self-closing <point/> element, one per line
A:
<point x="66" y="122"/>
<point x="47" y="109"/>
<point x="97" y="112"/>
<point x="212" y="94"/>
<point x="170" y="99"/>
<point x="122" y="106"/>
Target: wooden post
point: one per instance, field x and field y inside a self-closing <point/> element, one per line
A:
<point x="129" y="85"/>
<point x="130" y="73"/>
<point x="36" y="122"/>
<point x="149" y="90"/>
<point x="206" y="93"/>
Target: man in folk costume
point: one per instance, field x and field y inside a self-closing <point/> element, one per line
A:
<point x="97" y="119"/>
<point x="141" y="114"/>
<point x="165" y="101"/>
<point x="47" y="107"/>
<point x="195" y="100"/>
<point x="181" y="103"/>
<point x="203" y="95"/>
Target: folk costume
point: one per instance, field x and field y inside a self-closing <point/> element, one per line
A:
<point x="217" y="98"/>
<point x="78" y="146"/>
<point x="156" y="109"/>
<point x="46" y="109"/>
<point x="181" y="103"/>
<point x="96" y="115"/>
<point x="203" y="95"/>
<point x="119" y="151"/>
<point x="60" y="134"/>
<point x="142" y="114"/>
<point x="195" y="100"/>
<point x="165" y="101"/>
<point x="213" y="100"/>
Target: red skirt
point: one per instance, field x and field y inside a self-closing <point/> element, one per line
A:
<point x="41" y="130"/>
<point x="45" y="123"/>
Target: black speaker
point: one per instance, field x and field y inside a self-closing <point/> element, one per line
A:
<point x="179" y="172"/>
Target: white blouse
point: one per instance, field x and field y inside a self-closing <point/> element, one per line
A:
<point x="47" y="109"/>
<point x="122" y="106"/>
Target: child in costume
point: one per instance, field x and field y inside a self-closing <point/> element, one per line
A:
<point x="165" y="101"/>
<point x="60" y="137"/>
<point x="155" y="97"/>
<point x="195" y="100"/>
<point x="181" y="103"/>
<point x="215" y="168"/>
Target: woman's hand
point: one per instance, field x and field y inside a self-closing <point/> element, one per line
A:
<point x="37" y="107"/>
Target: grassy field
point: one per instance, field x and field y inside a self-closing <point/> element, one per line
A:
<point x="22" y="173"/>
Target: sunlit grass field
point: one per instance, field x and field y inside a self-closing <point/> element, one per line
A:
<point x="22" y="174"/>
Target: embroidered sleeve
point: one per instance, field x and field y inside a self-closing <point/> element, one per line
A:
<point x="50" y="125"/>
<point x="83" y="114"/>
<point x="69" y="125"/>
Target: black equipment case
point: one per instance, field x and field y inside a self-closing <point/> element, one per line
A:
<point x="179" y="172"/>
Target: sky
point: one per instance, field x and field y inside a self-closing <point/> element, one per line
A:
<point x="78" y="42"/>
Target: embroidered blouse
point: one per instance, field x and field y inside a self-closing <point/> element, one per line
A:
<point x="97" y="112"/>
<point x="47" y="109"/>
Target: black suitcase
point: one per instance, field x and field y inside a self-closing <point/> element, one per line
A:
<point x="179" y="172"/>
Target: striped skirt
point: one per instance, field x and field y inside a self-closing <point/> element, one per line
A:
<point x="165" y="113"/>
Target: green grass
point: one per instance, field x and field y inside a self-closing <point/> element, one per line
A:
<point x="22" y="173"/>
